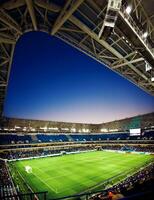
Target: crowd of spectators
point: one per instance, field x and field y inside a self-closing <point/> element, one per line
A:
<point x="36" y="152"/>
<point x="139" y="148"/>
<point x="6" y="185"/>
<point x="140" y="184"/>
<point x="35" y="138"/>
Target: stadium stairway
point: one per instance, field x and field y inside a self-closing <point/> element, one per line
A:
<point x="34" y="138"/>
<point x="70" y="139"/>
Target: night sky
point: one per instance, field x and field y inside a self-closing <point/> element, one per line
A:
<point x="51" y="80"/>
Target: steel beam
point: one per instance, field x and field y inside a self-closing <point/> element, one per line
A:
<point x="49" y="6"/>
<point x="7" y="40"/>
<point x="5" y="85"/>
<point x="148" y="20"/>
<point x="72" y="30"/>
<point x="9" y="21"/>
<point x="4" y="62"/>
<point x="126" y="57"/>
<point x="9" y="5"/>
<point x="108" y="57"/>
<point x="136" y="33"/>
<point x="83" y="27"/>
<point x="129" y="62"/>
<point x="83" y="49"/>
<point x="30" y="7"/>
<point x="65" y="14"/>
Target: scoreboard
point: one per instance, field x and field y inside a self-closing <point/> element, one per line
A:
<point x="135" y="132"/>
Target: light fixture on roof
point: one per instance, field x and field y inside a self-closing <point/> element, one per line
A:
<point x="128" y="9"/>
<point x="145" y="34"/>
<point x="147" y="66"/>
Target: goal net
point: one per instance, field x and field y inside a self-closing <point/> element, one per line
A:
<point x="28" y="169"/>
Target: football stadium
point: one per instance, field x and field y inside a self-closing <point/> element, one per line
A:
<point x="100" y="155"/>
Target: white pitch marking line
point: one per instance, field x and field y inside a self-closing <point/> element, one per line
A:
<point x="52" y="188"/>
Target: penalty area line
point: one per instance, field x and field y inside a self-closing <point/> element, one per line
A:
<point x="49" y="186"/>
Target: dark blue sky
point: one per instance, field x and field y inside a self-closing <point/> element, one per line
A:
<point x="51" y="80"/>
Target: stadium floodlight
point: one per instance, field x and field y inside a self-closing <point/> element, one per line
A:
<point x="147" y="66"/>
<point x="113" y="130"/>
<point x="73" y="129"/>
<point x="145" y="34"/>
<point x="65" y="129"/>
<point x="128" y="9"/>
<point x="17" y="127"/>
<point x="24" y="129"/>
<point x="12" y="129"/>
<point x="104" y="130"/>
<point x="85" y="130"/>
<point x="52" y="128"/>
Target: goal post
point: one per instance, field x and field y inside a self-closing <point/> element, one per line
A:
<point x="28" y="169"/>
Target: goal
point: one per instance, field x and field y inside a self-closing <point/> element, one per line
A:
<point x="28" y="169"/>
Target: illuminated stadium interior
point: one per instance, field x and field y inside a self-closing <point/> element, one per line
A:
<point x="43" y="159"/>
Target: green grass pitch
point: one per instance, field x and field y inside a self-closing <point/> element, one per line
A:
<point x="75" y="173"/>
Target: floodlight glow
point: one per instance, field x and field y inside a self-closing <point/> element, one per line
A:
<point x="41" y="128"/>
<point x="104" y="130"/>
<point x="145" y="35"/>
<point x="12" y="129"/>
<point x="53" y="128"/>
<point x="73" y="129"/>
<point x="24" y="128"/>
<point x="152" y="79"/>
<point x="16" y="127"/>
<point x="113" y="130"/>
<point x="85" y="130"/>
<point x="128" y="9"/>
<point x="65" y="129"/>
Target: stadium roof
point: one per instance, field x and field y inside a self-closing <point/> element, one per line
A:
<point x="144" y="121"/>
<point x="116" y="33"/>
